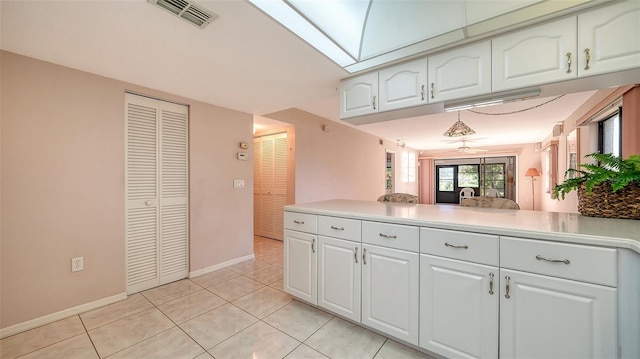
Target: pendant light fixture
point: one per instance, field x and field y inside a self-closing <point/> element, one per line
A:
<point x="459" y="129"/>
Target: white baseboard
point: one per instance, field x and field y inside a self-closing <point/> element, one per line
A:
<point x="203" y="271"/>
<point x="54" y="317"/>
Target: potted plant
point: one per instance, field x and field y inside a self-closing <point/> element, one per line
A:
<point x="610" y="188"/>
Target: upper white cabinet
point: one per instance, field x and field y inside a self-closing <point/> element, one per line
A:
<point x="359" y="95"/>
<point x="460" y="73"/>
<point x="538" y="55"/>
<point x="403" y="85"/>
<point x="608" y="39"/>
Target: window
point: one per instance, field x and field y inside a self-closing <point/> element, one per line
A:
<point x="494" y="177"/>
<point x="468" y="176"/>
<point x="445" y="179"/>
<point x="609" y="134"/>
<point x="408" y="167"/>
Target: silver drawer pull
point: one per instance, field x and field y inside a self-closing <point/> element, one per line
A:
<point x="388" y="235"/>
<point x="355" y="254"/>
<point x="298" y="222"/>
<point x="364" y="256"/>
<point x="464" y="246"/>
<point x="541" y="258"/>
<point x="337" y="228"/>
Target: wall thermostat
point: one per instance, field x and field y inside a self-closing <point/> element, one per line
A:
<point x="244" y="145"/>
<point x="243" y="156"/>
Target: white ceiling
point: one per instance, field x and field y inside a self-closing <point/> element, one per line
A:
<point x="244" y="61"/>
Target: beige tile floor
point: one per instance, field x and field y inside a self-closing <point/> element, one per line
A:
<point x="236" y="312"/>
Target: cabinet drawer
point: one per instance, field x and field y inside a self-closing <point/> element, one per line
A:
<point x="472" y="247"/>
<point x="349" y="229"/>
<point x="571" y="261"/>
<point x="301" y="222"/>
<point x="391" y="235"/>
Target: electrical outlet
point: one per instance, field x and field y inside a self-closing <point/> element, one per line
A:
<point x="77" y="264"/>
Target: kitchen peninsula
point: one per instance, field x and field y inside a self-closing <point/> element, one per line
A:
<point x="471" y="282"/>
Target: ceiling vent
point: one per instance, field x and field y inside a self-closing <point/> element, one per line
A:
<point x="188" y="11"/>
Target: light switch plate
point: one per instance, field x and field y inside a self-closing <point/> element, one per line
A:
<point x="243" y="156"/>
<point x="239" y="183"/>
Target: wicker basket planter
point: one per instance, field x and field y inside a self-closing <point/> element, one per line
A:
<point x="603" y="202"/>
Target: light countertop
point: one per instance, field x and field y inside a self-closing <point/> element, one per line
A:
<point x="553" y="226"/>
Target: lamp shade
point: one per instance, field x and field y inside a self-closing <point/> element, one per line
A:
<point x="532" y="172"/>
<point x="459" y="128"/>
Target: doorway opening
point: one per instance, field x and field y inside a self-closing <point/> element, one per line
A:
<point x="390" y="165"/>
<point x="484" y="175"/>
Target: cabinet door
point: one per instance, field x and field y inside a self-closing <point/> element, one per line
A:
<point x="609" y="37"/>
<point x="460" y="73"/>
<point x="403" y="85"/>
<point x="534" y="56"/>
<point x="300" y="265"/>
<point x="547" y="317"/>
<point x="390" y="291"/>
<point x="339" y="277"/>
<point x="359" y="95"/>
<point x="458" y="308"/>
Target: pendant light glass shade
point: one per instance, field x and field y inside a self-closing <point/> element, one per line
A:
<point x="459" y="129"/>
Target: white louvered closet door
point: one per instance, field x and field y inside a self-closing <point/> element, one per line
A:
<point x="156" y="192"/>
<point x="270" y="184"/>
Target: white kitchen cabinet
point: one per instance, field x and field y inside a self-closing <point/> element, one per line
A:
<point x="458" y="308"/>
<point x="403" y="85"/>
<point x="534" y="56"/>
<point x="547" y="317"/>
<point x="608" y="39"/>
<point x="300" y="263"/>
<point x="359" y="95"/>
<point x="390" y="291"/>
<point x="558" y="294"/>
<point x="339" y="276"/>
<point x="463" y="72"/>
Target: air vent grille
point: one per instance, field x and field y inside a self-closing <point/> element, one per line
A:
<point x="187" y="11"/>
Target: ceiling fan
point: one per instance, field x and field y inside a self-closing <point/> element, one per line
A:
<point x="466" y="149"/>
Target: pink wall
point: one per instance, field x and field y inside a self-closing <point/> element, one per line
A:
<point x="342" y="163"/>
<point x="62" y="176"/>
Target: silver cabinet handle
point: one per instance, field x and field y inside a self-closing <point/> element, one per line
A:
<point x="355" y="254"/>
<point x="541" y="258"/>
<point x="298" y="222"/>
<point x="491" y="283"/>
<point x="433" y="88"/>
<point x="506" y="294"/>
<point x="464" y="246"/>
<point x="587" y="53"/>
<point x="313" y="245"/>
<point x="337" y="228"/>
<point x="364" y="253"/>
<point x="374" y="102"/>
<point x="422" y="92"/>
<point x="569" y="61"/>
<point x="388" y="235"/>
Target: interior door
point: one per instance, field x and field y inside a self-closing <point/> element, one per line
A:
<point x="270" y="184"/>
<point x="446" y="184"/>
<point x="156" y="188"/>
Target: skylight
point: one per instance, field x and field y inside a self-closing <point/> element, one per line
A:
<point x="361" y="34"/>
